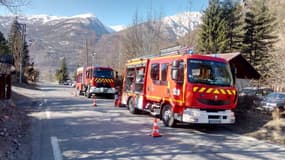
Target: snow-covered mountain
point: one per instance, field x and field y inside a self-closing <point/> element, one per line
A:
<point x="84" y="20"/>
<point x="182" y="23"/>
<point x="52" y="37"/>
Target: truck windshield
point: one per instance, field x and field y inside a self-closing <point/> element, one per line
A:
<point x="209" y="72"/>
<point x="103" y="73"/>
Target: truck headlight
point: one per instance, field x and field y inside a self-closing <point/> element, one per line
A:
<point x="192" y="112"/>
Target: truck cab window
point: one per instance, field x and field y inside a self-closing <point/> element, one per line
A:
<point x="154" y="71"/>
<point x="130" y="79"/>
<point x="164" y="68"/>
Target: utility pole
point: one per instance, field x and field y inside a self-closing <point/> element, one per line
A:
<point x="23" y="30"/>
<point x="86" y="45"/>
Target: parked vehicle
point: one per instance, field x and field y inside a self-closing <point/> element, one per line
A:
<point x="255" y="91"/>
<point x="67" y="82"/>
<point x="272" y="101"/>
<point x="95" y="80"/>
<point x="178" y="86"/>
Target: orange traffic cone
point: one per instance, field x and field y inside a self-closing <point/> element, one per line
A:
<point x="94" y="101"/>
<point x="155" y="129"/>
<point x="117" y="101"/>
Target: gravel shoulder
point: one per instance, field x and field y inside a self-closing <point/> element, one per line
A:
<point x="15" y="124"/>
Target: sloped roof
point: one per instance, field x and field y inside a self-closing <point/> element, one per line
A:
<point x="244" y="69"/>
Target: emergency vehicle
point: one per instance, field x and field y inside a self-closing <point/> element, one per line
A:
<point x="180" y="87"/>
<point x="93" y="80"/>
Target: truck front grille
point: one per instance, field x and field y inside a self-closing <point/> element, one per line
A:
<point x="214" y="102"/>
<point x="103" y="85"/>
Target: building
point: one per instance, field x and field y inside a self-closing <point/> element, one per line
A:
<point x="6" y="65"/>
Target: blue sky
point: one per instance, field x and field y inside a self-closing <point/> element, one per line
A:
<point x="110" y="12"/>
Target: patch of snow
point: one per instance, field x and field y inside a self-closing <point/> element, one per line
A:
<point x="182" y="23"/>
<point x="118" y="28"/>
<point x="87" y="15"/>
<point x="64" y="43"/>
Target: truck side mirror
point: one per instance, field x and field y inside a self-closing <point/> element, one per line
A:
<point x="174" y="74"/>
<point x="234" y="72"/>
<point x="175" y="64"/>
<point x="177" y="71"/>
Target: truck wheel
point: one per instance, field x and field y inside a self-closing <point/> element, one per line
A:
<point x="167" y="116"/>
<point x="131" y="106"/>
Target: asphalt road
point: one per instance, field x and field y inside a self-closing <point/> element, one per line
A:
<point x="68" y="127"/>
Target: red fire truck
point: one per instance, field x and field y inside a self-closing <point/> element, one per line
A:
<point x="179" y="86"/>
<point x="95" y="80"/>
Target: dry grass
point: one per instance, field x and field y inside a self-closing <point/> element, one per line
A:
<point x="258" y="124"/>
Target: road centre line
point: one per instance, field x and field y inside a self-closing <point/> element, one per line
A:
<point x="55" y="148"/>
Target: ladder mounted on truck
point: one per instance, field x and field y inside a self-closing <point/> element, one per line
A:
<point x="176" y="50"/>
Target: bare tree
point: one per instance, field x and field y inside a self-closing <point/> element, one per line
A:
<point x="187" y="25"/>
<point x="14" y="5"/>
<point x="142" y="38"/>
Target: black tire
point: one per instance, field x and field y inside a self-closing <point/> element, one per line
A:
<point x="167" y="116"/>
<point x="131" y="106"/>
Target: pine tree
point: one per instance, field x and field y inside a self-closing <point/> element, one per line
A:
<point x="221" y="30"/>
<point x="3" y="45"/>
<point x="259" y="37"/>
<point x="232" y="12"/>
<point x="62" y="74"/>
<point x="211" y="36"/>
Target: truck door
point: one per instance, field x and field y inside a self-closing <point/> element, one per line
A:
<point x="157" y="81"/>
<point x="177" y="81"/>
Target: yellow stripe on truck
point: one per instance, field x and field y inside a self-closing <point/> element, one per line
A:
<point x="223" y="91"/>
<point x="214" y="90"/>
<point x="195" y="89"/>
<point x="229" y="92"/>
<point x="202" y="89"/>
<point x="209" y="90"/>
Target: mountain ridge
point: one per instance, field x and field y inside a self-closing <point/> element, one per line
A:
<point x="54" y="37"/>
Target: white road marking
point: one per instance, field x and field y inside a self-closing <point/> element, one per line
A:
<point x="55" y="148"/>
<point x="48" y="114"/>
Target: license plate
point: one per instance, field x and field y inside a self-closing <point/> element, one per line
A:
<point x="214" y="121"/>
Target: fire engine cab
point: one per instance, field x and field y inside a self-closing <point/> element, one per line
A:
<point x="181" y="87"/>
<point x="95" y="80"/>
